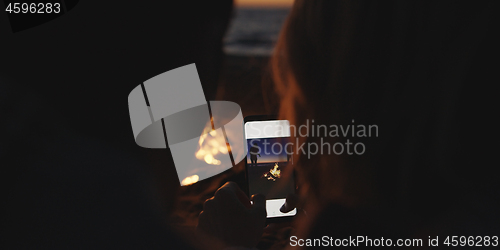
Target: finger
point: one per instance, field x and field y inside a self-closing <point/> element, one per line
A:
<point x="233" y="188"/>
<point x="242" y="197"/>
<point x="208" y="204"/>
<point x="290" y="203"/>
<point x="227" y="197"/>
<point x="228" y="189"/>
<point x="259" y="204"/>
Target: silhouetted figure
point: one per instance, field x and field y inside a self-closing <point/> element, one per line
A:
<point x="254" y="151"/>
<point x="288" y="153"/>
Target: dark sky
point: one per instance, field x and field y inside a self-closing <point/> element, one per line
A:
<point x="270" y="149"/>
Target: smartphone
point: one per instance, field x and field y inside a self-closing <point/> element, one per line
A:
<point x="269" y="163"/>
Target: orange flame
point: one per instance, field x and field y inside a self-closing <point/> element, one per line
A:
<point x="211" y="143"/>
<point x="274" y="173"/>
<point x="190" y="180"/>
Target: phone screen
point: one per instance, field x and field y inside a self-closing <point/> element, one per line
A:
<point x="269" y="163"/>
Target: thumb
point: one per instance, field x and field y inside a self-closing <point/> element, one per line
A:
<point x="259" y="204"/>
<point x="290" y="203"/>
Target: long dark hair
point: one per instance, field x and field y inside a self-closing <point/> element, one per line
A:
<point x="407" y="67"/>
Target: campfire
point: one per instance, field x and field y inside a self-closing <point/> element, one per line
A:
<point x="273" y="173"/>
<point x="190" y="180"/>
<point x="211" y="144"/>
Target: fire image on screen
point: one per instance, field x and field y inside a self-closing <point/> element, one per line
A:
<point x="269" y="167"/>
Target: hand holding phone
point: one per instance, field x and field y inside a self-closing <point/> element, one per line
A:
<point x="269" y="164"/>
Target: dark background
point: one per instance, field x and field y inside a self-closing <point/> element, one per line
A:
<point x="73" y="176"/>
